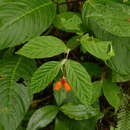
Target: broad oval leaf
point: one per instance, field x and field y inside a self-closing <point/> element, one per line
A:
<point x="14" y="97"/>
<point x="69" y="22"/>
<point x="120" y="44"/>
<point x="79" y="80"/>
<point x="44" y="75"/>
<point x="108" y="15"/>
<point x="100" y="49"/>
<point x="24" y="19"/>
<point x="112" y="93"/>
<point x="42" y="117"/>
<point x="43" y="47"/>
<point x="79" y="112"/>
<point x="69" y="124"/>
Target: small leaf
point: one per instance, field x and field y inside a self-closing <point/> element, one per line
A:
<point x="79" y="80"/>
<point x="44" y="75"/>
<point x="116" y="77"/>
<point x="79" y="112"/>
<point x="43" y="47"/>
<point x="112" y="93"/>
<point x="97" y="91"/>
<point x="73" y="42"/>
<point x="42" y="117"/>
<point x="100" y="49"/>
<point x="69" y="22"/>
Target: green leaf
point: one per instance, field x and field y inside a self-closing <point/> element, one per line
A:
<point x="100" y="49"/>
<point x="63" y="97"/>
<point x="22" y="20"/>
<point x="68" y="124"/>
<point x="116" y="77"/>
<point x="63" y="7"/>
<point x="73" y="42"/>
<point x="79" y="112"/>
<point x="92" y="68"/>
<point x="112" y="93"/>
<point x="108" y="15"/>
<point x="42" y="117"/>
<point x="123" y="118"/>
<point x="119" y="63"/>
<point x="79" y="80"/>
<point x="69" y="22"/>
<point x="44" y="75"/>
<point x="97" y="90"/>
<point x="14" y="98"/>
<point x="43" y="47"/>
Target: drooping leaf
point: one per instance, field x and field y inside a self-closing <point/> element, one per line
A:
<point x="100" y="49"/>
<point x="14" y="97"/>
<point x="69" y="22"/>
<point x="42" y="117"/>
<point x="24" y="19"/>
<point x="112" y="93"/>
<point x="43" y="47"/>
<point x="79" y="80"/>
<point x="44" y="75"/>
<point x="79" y="112"/>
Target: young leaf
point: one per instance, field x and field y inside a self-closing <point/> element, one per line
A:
<point x="73" y="42"/>
<point x="44" y="75"/>
<point x="112" y="93"/>
<point x="42" y="117"/>
<point x="14" y="97"/>
<point x="69" y="22"/>
<point x="24" y="19"/>
<point x="79" y="112"/>
<point x="100" y="49"/>
<point x="79" y="80"/>
<point x="43" y="47"/>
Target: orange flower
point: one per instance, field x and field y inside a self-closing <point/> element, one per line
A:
<point x="67" y="87"/>
<point x="57" y="86"/>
